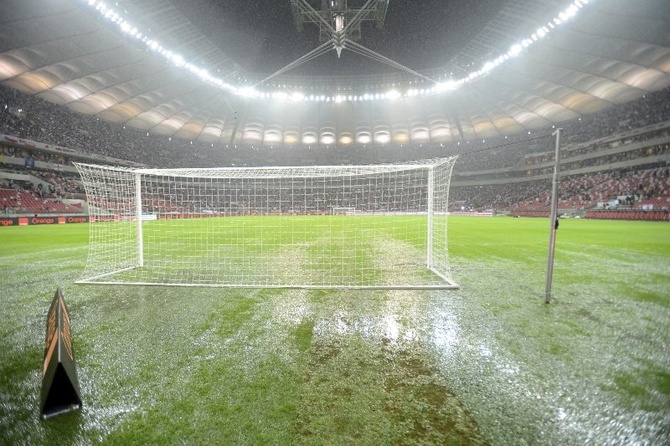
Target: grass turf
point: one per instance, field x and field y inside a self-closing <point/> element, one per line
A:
<point x="487" y="364"/>
<point x="266" y="251"/>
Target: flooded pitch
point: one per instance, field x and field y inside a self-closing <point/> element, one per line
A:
<point x="488" y="364"/>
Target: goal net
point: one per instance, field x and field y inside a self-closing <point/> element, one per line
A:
<point x="382" y="226"/>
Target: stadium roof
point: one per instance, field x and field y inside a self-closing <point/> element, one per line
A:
<point x="193" y="69"/>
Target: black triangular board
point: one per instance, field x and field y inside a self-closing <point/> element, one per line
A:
<point x="62" y="396"/>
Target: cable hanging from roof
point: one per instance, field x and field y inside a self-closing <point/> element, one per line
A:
<point x="340" y="34"/>
<point x="367" y="52"/>
<point x="316" y="52"/>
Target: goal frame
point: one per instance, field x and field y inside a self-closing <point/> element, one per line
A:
<point x="137" y="175"/>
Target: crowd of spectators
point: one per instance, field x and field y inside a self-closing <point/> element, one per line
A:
<point x="537" y="146"/>
<point x="29" y="202"/>
<point x="631" y="188"/>
<point x="45" y="196"/>
<point x="30" y="117"/>
<point x="497" y="196"/>
<point x="589" y="139"/>
<point x="38" y="190"/>
<point x="599" y="159"/>
<point x="584" y="150"/>
<point x="615" y="188"/>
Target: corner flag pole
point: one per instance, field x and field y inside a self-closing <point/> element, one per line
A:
<point x="553" y="218"/>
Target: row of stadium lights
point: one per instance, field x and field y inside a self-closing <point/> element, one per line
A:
<point x="329" y="140"/>
<point x="440" y="87"/>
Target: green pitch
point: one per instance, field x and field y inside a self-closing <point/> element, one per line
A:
<point x="488" y="364"/>
<point x="270" y="251"/>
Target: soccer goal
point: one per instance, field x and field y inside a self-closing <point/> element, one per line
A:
<point x="371" y="227"/>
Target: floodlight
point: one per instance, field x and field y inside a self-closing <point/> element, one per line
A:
<point x="383" y="138"/>
<point x="178" y="60"/>
<point x="393" y="94"/>
<point x="247" y="92"/>
<point x="280" y="95"/>
<point x="297" y="96"/>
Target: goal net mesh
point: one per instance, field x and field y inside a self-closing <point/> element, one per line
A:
<point x="381" y="226"/>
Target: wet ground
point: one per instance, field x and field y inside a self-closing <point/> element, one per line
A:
<point x="489" y="364"/>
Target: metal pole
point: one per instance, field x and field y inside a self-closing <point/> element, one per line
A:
<point x="430" y="210"/>
<point x="138" y="217"/>
<point x="553" y="217"/>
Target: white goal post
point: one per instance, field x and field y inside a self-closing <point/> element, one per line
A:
<point x="349" y="227"/>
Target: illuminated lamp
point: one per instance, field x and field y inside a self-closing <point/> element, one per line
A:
<point x="383" y="138"/>
<point x="327" y="139"/>
<point x="364" y="138"/>
<point x="309" y="139"/>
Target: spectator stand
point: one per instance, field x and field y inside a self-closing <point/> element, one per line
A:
<point x="506" y="173"/>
